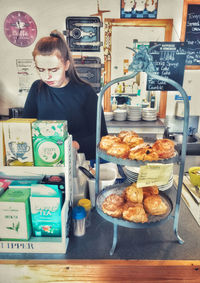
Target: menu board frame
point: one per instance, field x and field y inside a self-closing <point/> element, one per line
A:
<point x="183" y="29"/>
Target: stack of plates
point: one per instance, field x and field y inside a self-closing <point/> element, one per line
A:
<point x="131" y="173"/>
<point x="120" y="115"/>
<point x="149" y="114"/>
<point x="132" y="176"/>
<point x="134" y="113"/>
<point x="108" y="116"/>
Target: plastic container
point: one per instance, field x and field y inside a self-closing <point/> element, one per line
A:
<point x="86" y="203"/>
<point x="194" y="173"/>
<point x="79" y="217"/>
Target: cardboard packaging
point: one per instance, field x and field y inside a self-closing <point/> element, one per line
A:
<point x="15" y="215"/>
<point x="48" y="142"/>
<point x="18" y="141"/>
<point x="46" y="210"/>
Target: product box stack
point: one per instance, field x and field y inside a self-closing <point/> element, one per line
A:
<point x="34" y="198"/>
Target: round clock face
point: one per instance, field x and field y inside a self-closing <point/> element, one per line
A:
<point x="20" y="29"/>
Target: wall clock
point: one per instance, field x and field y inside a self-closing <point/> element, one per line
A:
<point x="20" y="29"/>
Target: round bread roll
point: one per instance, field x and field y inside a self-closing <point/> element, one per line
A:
<point x="119" y="150"/>
<point x="155" y="205"/>
<point x="132" y="140"/>
<point x="107" y="141"/>
<point x="113" y="205"/>
<point x="134" y="194"/>
<point x="164" y="148"/>
<point x="122" y="134"/>
<point x="135" y="213"/>
<point x="143" y="152"/>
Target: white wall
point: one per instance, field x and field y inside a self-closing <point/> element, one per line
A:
<point x="51" y="14"/>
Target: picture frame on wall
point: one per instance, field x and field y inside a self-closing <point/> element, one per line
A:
<point x="139" y="9"/>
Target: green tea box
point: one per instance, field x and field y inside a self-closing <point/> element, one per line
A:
<point x="49" y="142"/>
<point x="18" y="141"/>
<point x="15" y="217"/>
<point x="46" y="202"/>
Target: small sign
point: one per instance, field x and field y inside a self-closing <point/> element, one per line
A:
<point x="154" y="174"/>
<point x="179" y="97"/>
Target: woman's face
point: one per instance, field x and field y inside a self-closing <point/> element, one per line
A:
<point x="52" y="70"/>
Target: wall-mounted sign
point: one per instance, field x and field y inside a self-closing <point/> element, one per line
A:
<point x="190" y="32"/>
<point x="169" y="61"/>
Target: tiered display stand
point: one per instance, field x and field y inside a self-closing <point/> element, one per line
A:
<point x="141" y="63"/>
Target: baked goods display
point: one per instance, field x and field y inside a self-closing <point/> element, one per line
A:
<point x="135" y="204"/>
<point x="119" y="149"/>
<point x="129" y="145"/>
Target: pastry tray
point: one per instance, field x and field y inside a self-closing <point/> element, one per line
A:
<point x="129" y="162"/>
<point x="118" y="189"/>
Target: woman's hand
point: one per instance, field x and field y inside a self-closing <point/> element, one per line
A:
<point x="76" y="145"/>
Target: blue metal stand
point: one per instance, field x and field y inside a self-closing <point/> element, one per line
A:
<point x="142" y="62"/>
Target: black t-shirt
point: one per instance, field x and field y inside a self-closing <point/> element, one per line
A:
<point x="76" y="103"/>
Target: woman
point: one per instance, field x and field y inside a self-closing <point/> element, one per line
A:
<point x="61" y="95"/>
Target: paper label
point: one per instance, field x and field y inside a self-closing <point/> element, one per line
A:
<point x="154" y="174"/>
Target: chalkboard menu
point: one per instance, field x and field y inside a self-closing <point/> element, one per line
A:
<point x="192" y="35"/>
<point x="169" y="61"/>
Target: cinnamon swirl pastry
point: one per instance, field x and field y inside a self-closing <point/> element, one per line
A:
<point x="164" y="148"/>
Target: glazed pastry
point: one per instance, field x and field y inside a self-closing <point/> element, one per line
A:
<point x="107" y="141"/>
<point x="143" y="152"/>
<point x="119" y="150"/>
<point x="132" y="140"/>
<point x="134" y="194"/>
<point x="113" y="205"/>
<point x="155" y="205"/>
<point x="164" y="148"/>
<point x="122" y="134"/>
<point x="134" y="212"/>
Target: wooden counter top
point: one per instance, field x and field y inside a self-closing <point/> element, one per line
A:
<point x="20" y="271"/>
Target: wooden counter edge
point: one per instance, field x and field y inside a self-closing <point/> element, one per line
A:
<point x="100" y="270"/>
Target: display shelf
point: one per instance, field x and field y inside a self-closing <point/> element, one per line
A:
<point x="142" y="63"/>
<point x="42" y="244"/>
<point x="128" y="162"/>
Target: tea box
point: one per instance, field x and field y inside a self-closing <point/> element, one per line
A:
<point x="48" y="142"/>
<point x="15" y="215"/>
<point x="18" y="141"/>
<point x="46" y="210"/>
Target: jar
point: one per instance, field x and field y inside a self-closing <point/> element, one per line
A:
<point x="86" y="203"/>
<point x="79" y="217"/>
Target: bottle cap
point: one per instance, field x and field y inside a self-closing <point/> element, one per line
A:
<point x="78" y="212"/>
<point x="86" y="203"/>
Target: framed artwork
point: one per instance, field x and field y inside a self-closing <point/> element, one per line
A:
<point x="190" y="33"/>
<point x="139" y="9"/>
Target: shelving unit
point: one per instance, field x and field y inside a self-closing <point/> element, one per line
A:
<point x="142" y="65"/>
<point x="41" y="244"/>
